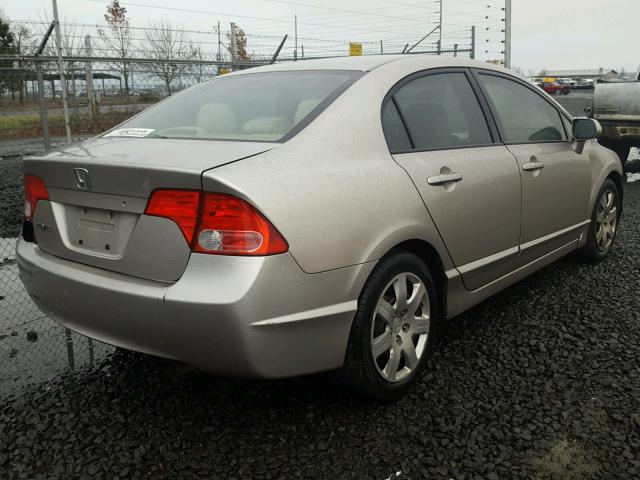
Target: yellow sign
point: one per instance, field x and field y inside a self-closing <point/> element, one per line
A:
<point x="222" y="71"/>
<point x="355" y="49"/>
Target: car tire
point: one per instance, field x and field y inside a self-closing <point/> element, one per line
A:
<point x="389" y="373"/>
<point x="604" y="223"/>
<point x="558" y="92"/>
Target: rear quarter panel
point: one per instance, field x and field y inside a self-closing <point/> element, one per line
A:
<point x="334" y="191"/>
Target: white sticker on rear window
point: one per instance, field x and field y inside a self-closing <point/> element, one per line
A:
<point x="130" y="132"/>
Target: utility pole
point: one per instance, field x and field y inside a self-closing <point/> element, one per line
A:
<point x="440" y="30"/>
<point x="219" y="44"/>
<point x="65" y="107"/>
<point x="507" y="33"/>
<point x="295" y="51"/>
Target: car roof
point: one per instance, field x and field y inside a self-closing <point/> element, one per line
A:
<point x="368" y="63"/>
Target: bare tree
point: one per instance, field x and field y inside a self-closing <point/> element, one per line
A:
<point x="165" y="43"/>
<point x="23" y="37"/>
<point x="118" y="37"/>
<point x="199" y="70"/>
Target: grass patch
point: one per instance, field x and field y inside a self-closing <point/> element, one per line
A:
<point x="28" y="126"/>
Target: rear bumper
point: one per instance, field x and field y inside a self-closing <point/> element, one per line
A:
<point x="237" y="316"/>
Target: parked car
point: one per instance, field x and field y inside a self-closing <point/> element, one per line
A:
<point x="569" y="82"/>
<point x="554" y="88"/>
<point x="616" y="106"/>
<point x="584" y="84"/>
<point x="312" y="216"/>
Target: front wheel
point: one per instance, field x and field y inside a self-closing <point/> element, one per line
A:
<point x="604" y="223"/>
<point x="393" y="330"/>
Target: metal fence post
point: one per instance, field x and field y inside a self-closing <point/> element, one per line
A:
<point x="89" y="79"/>
<point x="44" y="120"/>
<point x="63" y="83"/>
<point x="473" y="42"/>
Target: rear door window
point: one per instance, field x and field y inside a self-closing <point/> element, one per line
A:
<point x="525" y="116"/>
<point x="441" y="111"/>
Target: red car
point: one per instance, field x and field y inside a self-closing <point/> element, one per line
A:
<point x="554" y="88"/>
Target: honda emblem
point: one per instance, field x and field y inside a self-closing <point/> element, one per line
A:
<point x="83" y="181"/>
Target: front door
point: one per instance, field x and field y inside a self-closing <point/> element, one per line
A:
<point x="469" y="182"/>
<point x="555" y="179"/>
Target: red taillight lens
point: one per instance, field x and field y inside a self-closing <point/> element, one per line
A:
<point x="231" y="226"/>
<point x="34" y="190"/>
<point x="181" y="206"/>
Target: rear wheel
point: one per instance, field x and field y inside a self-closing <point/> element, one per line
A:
<point x="558" y="92"/>
<point x="393" y="330"/>
<point x="604" y="223"/>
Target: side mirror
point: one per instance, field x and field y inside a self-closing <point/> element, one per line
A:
<point x="586" y="129"/>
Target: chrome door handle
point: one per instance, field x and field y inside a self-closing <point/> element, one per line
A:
<point x="528" y="167"/>
<point x="444" y="178"/>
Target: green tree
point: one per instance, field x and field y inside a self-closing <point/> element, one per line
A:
<point x="7" y="47"/>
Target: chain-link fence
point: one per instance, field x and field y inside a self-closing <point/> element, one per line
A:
<point x="108" y="73"/>
<point x="32" y="347"/>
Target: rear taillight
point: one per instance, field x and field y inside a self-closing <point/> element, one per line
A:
<point x="226" y="225"/>
<point x="231" y="226"/>
<point x="181" y="206"/>
<point x="34" y="190"/>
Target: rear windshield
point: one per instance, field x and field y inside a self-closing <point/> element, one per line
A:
<point x="268" y="106"/>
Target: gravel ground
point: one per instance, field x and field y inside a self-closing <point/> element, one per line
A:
<point x="540" y="382"/>
<point x="11" y="197"/>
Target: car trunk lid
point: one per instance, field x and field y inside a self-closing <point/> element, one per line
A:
<point x="98" y="191"/>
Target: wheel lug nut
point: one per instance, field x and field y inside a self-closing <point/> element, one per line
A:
<point x="398" y="339"/>
<point x="406" y="327"/>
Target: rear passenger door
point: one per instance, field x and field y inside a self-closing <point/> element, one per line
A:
<point x="438" y="132"/>
<point x="555" y="179"/>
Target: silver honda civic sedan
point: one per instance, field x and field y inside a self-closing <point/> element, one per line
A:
<point x="314" y="216"/>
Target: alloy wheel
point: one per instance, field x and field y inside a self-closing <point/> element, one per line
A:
<point x="606" y="220"/>
<point x="400" y="327"/>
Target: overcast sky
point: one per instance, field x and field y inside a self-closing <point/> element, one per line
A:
<point x="552" y="34"/>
